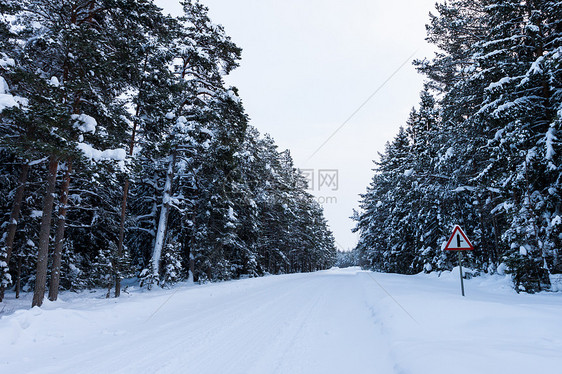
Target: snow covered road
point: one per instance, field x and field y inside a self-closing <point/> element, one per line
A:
<point x="336" y="321"/>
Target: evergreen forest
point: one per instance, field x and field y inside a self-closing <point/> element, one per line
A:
<point x="481" y="150"/>
<point x="125" y="155"/>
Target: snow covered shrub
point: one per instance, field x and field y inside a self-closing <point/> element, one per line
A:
<point x="527" y="271"/>
<point x="173" y="268"/>
<point x="5" y="277"/>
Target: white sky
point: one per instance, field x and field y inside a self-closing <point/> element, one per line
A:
<point x="307" y="65"/>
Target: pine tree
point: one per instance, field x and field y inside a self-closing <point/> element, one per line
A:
<point x="73" y="69"/>
<point x="492" y="164"/>
<point x="205" y="54"/>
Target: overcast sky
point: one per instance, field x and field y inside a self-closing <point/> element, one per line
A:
<point x="308" y="65"/>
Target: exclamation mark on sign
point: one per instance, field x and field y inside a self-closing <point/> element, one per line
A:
<point x="458" y="240"/>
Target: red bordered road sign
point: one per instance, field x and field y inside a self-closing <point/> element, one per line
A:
<point x="458" y="241"/>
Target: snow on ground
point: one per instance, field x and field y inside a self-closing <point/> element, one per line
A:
<point x="335" y="321"/>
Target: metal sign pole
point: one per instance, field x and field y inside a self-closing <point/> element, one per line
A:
<point x="460" y="270"/>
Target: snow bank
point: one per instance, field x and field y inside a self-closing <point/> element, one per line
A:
<point x="433" y="329"/>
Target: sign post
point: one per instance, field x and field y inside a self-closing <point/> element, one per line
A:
<point x="459" y="242"/>
<point x="460" y="271"/>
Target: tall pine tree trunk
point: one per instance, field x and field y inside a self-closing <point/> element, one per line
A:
<point x="59" y="236"/>
<point x="163" y="221"/>
<point x="13" y="224"/>
<point x="123" y="217"/>
<point x="18" y="278"/>
<point x="43" y="248"/>
<point x="121" y="239"/>
<point x="119" y="254"/>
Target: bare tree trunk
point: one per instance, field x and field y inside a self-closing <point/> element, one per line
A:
<point x="192" y="239"/>
<point x="117" y="265"/>
<point x="18" y="279"/>
<point x="163" y="221"/>
<point x="126" y="195"/>
<point x="16" y="209"/>
<point x="43" y="248"/>
<point x="14" y="216"/>
<point x="59" y="236"/>
<point x="190" y="247"/>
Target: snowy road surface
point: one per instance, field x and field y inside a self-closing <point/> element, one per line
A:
<point x="336" y="321"/>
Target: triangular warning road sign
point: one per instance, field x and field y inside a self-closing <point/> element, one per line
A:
<point x="458" y="241"/>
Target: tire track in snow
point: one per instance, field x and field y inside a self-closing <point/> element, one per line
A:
<point x="304" y="323"/>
